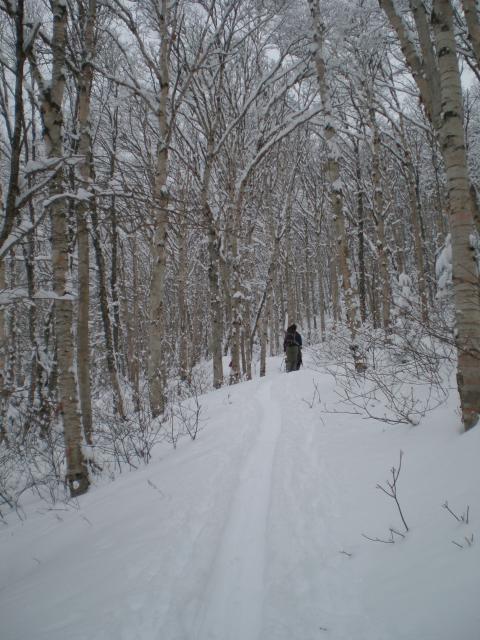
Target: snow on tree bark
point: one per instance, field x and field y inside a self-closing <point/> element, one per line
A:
<point x="77" y="473"/>
<point x="465" y="271"/>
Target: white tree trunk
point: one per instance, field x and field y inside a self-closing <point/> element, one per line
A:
<point x="182" y="301"/>
<point x="84" y="150"/>
<point x="156" y="360"/>
<point x="471" y="8"/>
<point x="77" y="474"/>
<point x="379" y="207"/>
<point x="3" y="346"/>
<point x="465" y="276"/>
<point x="336" y="189"/>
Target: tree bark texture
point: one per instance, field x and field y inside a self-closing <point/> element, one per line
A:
<point x="471" y="10"/>
<point x="182" y="302"/>
<point x="216" y="316"/>
<point x="105" y="313"/>
<point x="465" y="275"/>
<point x="77" y="473"/>
<point x="335" y="183"/>
<point x="156" y="360"/>
<point x="84" y="150"/>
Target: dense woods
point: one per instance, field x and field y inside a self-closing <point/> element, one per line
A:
<point x="178" y="178"/>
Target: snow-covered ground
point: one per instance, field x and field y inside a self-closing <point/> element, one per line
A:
<point x="254" y="532"/>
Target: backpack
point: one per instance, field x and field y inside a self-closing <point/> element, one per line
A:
<point x="290" y="340"/>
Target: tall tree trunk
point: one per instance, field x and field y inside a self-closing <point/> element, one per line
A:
<point x="425" y="70"/>
<point x="156" y="347"/>
<point x="28" y="253"/>
<point x="471" y="9"/>
<point x="84" y="150"/>
<point x="464" y="275"/>
<point x="334" y="292"/>
<point x="35" y="387"/>
<point x="311" y="284"/>
<point x="216" y="315"/>
<point x="416" y="225"/>
<point x="114" y="286"/>
<point x="236" y="305"/>
<point x="379" y="213"/>
<point x="77" y="473"/>
<point x="372" y="294"/>
<point x="321" y="305"/>
<point x="214" y="267"/>
<point x="182" y="302"/>
<point x="243" y="354"/>
<point x="441" y="220"/>
<point x="3" y="350"/>
<point x="9" y="212"/>
<point x="306" y="301"/>
<point x="263" y="341"/>
<point x="134" y="329"/>
<point x="104" y="309"/>
<point x="279" y="308"/>
<point x="361" y="236"/>
<point x="246" y="337"/>
<point x="334" y="179"/>
<point x="289" y="268"/>
<point x="114" y="244"/>
<point x="12" y="363"/>
<point x="235" y="259"/>
<point x="320" y="275"/>
<point x="271" y="323"/>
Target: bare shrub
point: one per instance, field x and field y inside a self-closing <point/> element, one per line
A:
<point x="403" y="375"/>
<point x="390" y="489"/>
<point x="183" y="413"/>
<point x="32" y="456"/>
<point x="32" y="460"/>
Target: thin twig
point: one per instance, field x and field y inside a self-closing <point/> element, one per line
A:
<point x="391" y="541"/>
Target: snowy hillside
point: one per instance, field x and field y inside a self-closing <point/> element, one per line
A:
<point x="254" y="532"/>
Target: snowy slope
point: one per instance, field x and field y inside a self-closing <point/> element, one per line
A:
<point x="254" y="532"/>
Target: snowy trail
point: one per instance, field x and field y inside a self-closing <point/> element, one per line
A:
<point x="308" y="580"/>
<point x="234" y="600"/>
<point x="254" y="532"/>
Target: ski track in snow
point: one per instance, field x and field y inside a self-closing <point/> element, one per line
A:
<point x="253" y="532"/>
<point x="234" y="596"/>
<point x="307" y="578"/>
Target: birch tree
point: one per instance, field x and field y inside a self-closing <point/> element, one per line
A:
<point x="87" y="22"/>
<point x="52" y="114"/>
<point x="471" y="10"/>
<point x="336" y="188"/>
<point x="441" y="76"/>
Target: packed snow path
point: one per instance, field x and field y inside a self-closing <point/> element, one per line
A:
<point x="254" y="532"/>
<point x="235" y="592"/>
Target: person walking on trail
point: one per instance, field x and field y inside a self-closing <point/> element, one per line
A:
<point x="292" y="347"/>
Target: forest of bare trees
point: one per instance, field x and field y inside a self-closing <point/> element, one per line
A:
<point x="178" y="178"/>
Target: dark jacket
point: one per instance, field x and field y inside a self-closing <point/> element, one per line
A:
<point x="292" y="338"/>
